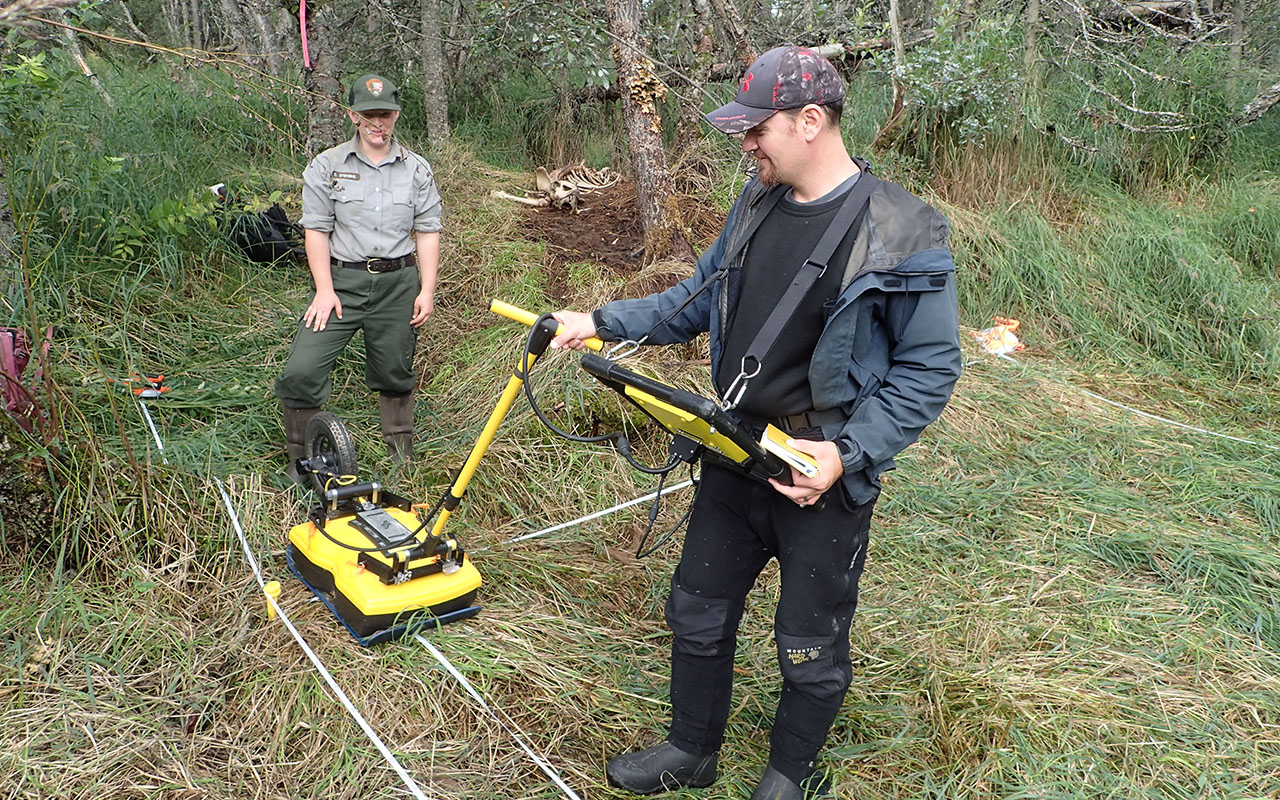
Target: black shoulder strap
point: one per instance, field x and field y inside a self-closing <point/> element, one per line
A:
<point x="851" y="215"/>
<point x="739" y="239"/>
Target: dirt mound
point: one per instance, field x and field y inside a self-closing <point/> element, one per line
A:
<point x="606" y="228"/>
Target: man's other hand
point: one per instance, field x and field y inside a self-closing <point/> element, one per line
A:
<point x="806" y="491"/>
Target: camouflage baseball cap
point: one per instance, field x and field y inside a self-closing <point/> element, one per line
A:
<point x="783" y="78"/>
<point x="373" y="93"/>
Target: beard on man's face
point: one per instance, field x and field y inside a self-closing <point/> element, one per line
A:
<point x="767" y="174"/>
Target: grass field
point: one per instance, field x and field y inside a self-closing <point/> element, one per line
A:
<point x="1073" y="589"/>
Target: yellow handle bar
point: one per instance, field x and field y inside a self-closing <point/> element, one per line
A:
<point x="529" y="318"/>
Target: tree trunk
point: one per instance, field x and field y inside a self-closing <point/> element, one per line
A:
<point x="895" y="30"/>
<point x="641" y="92"/>
<point x="172" y="21"/>
<point x="77" y="53"/>
<point x="325" y="109"/>
<point x="186" y="23"/>
<point x="240" y="32"/>
<point x="435" y="98"/>
<point x="1236" y="52"/>
<point x="455" y="26"/>
<point x="207" y="28"/>
<point x="968" y="10"/>
<point x="130" y="23"/>
<point x="735" y="30"/>
<point x="1030" y="52"/>
<point x="259" y="14"/>
<point x="702" y="45"/>
<point x="199" y="25"/>
<point x="893" y="124"/>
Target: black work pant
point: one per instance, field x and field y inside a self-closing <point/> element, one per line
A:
<point x="737" y="525"/>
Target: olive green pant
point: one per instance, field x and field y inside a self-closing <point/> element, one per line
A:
<point x="382" y="305"/>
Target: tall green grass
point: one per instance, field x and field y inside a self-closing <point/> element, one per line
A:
<point x="1173" y="288"/>
<point x="522" y="122"/>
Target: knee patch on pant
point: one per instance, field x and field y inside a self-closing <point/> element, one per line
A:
<point x="699" y="624"/>
<point x="808" y="662"/>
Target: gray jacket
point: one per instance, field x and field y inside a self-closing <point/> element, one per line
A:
<point x="889" y="353"/>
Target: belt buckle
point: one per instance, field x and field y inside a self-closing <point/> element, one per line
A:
<point x="794" y="422"/>
<point x="370" y="268"/>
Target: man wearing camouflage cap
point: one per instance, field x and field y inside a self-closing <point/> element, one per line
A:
<point x="863" y="356"/>
<point x="372" y="214"/>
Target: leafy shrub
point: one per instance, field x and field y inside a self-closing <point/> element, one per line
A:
<point x="960" y="89"/>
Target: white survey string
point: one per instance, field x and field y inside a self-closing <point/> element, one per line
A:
<point x="315" y="660"/>
<point x="595" y="514"/>
<point x="1175" y="423"/>
<point x="154" y="433"/>
<point x="504" y="721"/>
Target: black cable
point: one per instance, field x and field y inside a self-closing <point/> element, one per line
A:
<point x="412" y="536"/>
<point x="618" y="439"/>
<point x="653" y="516"/>
<point x="712" y="278"/>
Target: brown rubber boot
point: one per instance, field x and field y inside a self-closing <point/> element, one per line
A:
<point x="396" y="413"/>
<point x="295" y="433"/>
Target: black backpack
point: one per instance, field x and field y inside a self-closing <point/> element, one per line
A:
<point x="267" y="236"/>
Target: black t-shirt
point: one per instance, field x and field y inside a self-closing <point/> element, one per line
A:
<point x="779" y="247"/>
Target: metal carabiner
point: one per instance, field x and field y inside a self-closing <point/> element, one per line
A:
<point x="733" y="395"/>
<point x="626" y="346"/>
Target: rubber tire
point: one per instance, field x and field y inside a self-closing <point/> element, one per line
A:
<point x="327" y="441"/>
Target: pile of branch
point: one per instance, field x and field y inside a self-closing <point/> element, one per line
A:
<point x="1174" y="15"/>
<point x="563" y="189"/>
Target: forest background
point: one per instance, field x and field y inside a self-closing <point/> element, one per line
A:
<point x="1074" y="583"/>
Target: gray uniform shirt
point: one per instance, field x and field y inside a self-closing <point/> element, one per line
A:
<point x="370" y="211"/>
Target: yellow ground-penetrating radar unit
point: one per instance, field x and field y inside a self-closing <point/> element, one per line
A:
<point x="367" y="555"/>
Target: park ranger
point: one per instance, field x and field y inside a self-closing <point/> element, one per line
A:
<point x="372" y="214"/>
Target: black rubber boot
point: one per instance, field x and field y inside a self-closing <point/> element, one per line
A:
<point x="295" y="434"/>
<point x="396" y="414"/>
<point x="660" y="769"/>
<point x="776" y="786"/>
